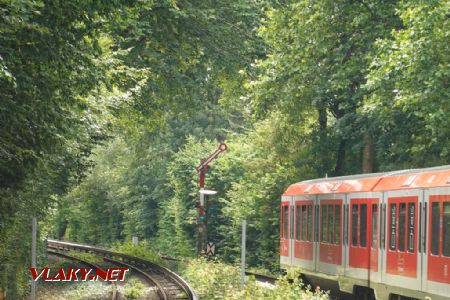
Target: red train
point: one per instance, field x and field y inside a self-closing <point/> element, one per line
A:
<point x="377" y="236"/>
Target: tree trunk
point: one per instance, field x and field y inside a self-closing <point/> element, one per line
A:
<point x="322" y="118"/>
<point x="368" y="153"/>
<point x="340" y="158"/>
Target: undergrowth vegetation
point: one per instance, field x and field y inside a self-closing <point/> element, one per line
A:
<point x="106" y="107"/>
<point x="142" y="249"/>
<point x="217" y="280"/>
<point x="73" y="290"/>
<point x="134" y="289"/>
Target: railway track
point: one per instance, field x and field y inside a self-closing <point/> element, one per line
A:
<point x="170" y="286"/>
<point x="84" y="262"/>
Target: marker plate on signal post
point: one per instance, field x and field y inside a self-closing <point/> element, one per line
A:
<point x="210" y="248"/>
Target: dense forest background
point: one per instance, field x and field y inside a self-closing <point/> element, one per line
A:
<point x="106" y="107"/>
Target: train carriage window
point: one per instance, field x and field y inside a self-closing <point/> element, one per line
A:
<point x="310" y="226"/>
<point x="355" y="225"/>
<point x="297" y="222"/>
<point x="285" y="221"/>
<point x="401" y="227"/>
<point x="383" y="225"/>
<point x="393" y="222"/>
<point x="374" y="225"/>
<point x="435" y="230"/>
<point x="411" y="229"/>
<point x="337" y="224"/>
<point x="425" y="232"/>
<point x="363" y="225"/>
<point x="304" y="222"/>
<point x="291" y="227"/>
<point x="446" y="230"/>
<point x="331" y="225"/>
<point x="324" y="223"/>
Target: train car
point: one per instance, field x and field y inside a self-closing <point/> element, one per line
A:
<point x="376" y="236"/>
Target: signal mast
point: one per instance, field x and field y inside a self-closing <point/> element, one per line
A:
<point x="202" y="168"/>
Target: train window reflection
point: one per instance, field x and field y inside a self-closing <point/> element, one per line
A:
<point x="401" y="227"/>
<point x="446" y="230"/>
<point x="393" y="222"/>
<point x="304" y="220"/>
<point x="297" y="222"/>
<point x="355" y="225"/>
<point x="310" y="227"/>
<point x="324" y="223"/>
<point x="411" y="220"/>
<point x="331" y="225"/>
<point x="285" y="221"/>
<point x="337" y="224"/>
<point x="374" y="225"/>
<point x="435" y="233"/>
<point x="363" y="225"/>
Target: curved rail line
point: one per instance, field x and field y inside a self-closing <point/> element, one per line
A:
<point x="170" y="285"/>
<point x="161" y="291"/>
<point x="92" y="265"/>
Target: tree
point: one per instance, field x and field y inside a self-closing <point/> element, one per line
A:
<point x="48" y="70"/>
<point x="409" y="88"/>
<point x="317" y="63"/>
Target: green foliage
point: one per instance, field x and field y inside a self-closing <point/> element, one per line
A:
<point x="133" y="289"/>
<point x="106" y="109"/>
<point x="217" y="280"/>
<point x="408" y="81"/>
<point x="98" y="200"/>
<point x="89" y="257"/>
<point x="48" y="114"/>
<point x="319" y="54"/>
<point x="143" y="249"/>
<point x="249" y="178"/>
<point x="187" y="47"/>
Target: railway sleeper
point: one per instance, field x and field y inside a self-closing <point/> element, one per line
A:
<point x="172" y="288"/>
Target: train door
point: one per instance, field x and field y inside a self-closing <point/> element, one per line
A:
<point x="436" y="275"/>
<point x="304" y="232"/>
<point x="363" y="244"/>
<point x="286" y="230"/>
<point x="330" y="254"/>
<point x="402" y="263"/>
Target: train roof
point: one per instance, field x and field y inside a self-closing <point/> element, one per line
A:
<point x="396" y="180"/>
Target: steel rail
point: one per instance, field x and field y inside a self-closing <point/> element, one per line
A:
<point x="132" y="260"/>
<point x="92" y="265"/>
<point x="161" y="292"/>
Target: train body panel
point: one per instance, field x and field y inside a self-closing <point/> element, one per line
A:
<point x="363" y="246"/>
<point x="329" y="251"/>
<point x="436" y="275"/>
<point x="388" y="233"/>
<point x="304" y="245"/>
<point x="403" y="260"/>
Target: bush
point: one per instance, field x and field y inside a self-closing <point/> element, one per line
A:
<point x="142" y="250"/>
<point x="216" y="280"/>
<point x="134" y="289"/>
